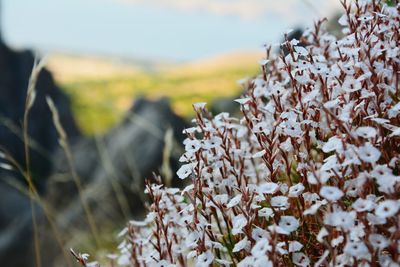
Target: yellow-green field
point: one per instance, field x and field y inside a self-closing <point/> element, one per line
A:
<point x="102" y="90"/>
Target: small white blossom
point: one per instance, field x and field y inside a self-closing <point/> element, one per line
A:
<point x="296" y="190"/>
<point x="267" y="188"/>
<point x="334" y="143"/>
<point x="280" y="202"/>
<point x="234" y="201"/>
<point x="362" y="205"/>
<point x="331" y="193"/>
<point x="185" y="170"/>
<point x="356" y="249"/>
<point x="301" y="50"/>
<point x="300" y="259"/>
<point x="205" y="259"/>
<point x="369" y="153"/>
<point x="243" y="101"/>
<point x="295" y="246"/>
<point x="366" y="132"/>
<point x="261" y="247"/>
<point x="199" y="105"/>
<point x="342" y="219"/>
<point x="289" y="223"/>
<point x="387" y="208"/>
<point x="242" y="244"/>
<point x="265" y="212"/>
<point x="378" y="241"/>
<point x="239" y="221"/>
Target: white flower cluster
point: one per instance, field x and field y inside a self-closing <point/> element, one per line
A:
<point x="308" y="176"/>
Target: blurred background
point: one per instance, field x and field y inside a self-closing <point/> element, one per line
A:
<point x="109" y="63"/>
<point x="104" y="52"/>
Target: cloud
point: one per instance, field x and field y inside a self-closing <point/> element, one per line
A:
<point x="246" y="9"/>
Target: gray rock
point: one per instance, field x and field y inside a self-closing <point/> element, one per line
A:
<point x="112" y="168"/>
<point x="15" y="70"/>
<point x="16" y="245"/>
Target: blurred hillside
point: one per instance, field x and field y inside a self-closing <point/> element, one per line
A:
<point x="102" y="89"/>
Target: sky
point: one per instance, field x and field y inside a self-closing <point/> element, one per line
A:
<point x="179" y="30"/>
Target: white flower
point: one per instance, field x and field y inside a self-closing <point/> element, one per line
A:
<point x="296" y="190"/>
<point x="369" y="153"/>
<point x="331" y="193"/>
<point x="205" y="259"/>
<point x="263" y="62"/>
<point x="366" y="132"/>
<point x="356" y="249"/>
<point x="221" y="198"/>
<point x="259" y="233"/>
<point x="192" y="146"/>
<point x="387" y="208"/>
<point x="281" y="248"/>
<point x="321" y="234"/>
<point x="342" y="219"/>
<point x="242" y="244"/>
<point x="301" y="50"/>
<point x="384" y="178"/>
<point x="234" y="201"/>
<point x="280" y="202"/>
<point x="199" y="106"/>
<point x="224" y="262"/>
<point x="300" y="259"/>
<point x="292" y="128"/>
<point x="265" y="212"/>
<point x="343" y="20"/>
<point x="213" y="142"/>
<point x="283" y="187"/>
<point x="261" y="127"/>
<point x="239" y="221"/>
<point x="366" y="18"/>
<point x="287" y="145"/>
<point x="191" y="240"/>
<point x="190" y="130"/>
<point x="378" y="241"/>
<point x="289" y="223"/>
<point x="124" y="260"/>
<point x="334" y="143"/>
<point x="332" y="104"/>
<point x="243" y="101"/>
<point x="273" y="228"/>
<point x="310" y="197"/>
<point x="315" y="207"/>
<point x="164" y="263"/>
<point x="261" y="247"/>
<point x="315" y="179"/>
<point x="362" y="205"/>
<point x="337" y="241"/>
<point x="375" y="220"/>
<point x="295" y="246"/>
<point x="351" y="85"/>
<point x="185" y="170"/>
<point x="249" y="261"/>
<point x="394" y="111"/>
<point x="84" y="256"/>
<point x="267" y="188"/>
<point x="259" y="154"/>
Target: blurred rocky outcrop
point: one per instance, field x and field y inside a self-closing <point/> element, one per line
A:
<point x="15" y="70"/>
<point x="16" y="231"/>
<point x="112" y="168"/>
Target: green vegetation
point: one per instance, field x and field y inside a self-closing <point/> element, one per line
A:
<point x="99" y="103"/>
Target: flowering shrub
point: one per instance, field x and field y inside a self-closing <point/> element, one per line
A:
<point x="308" y="176"/>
